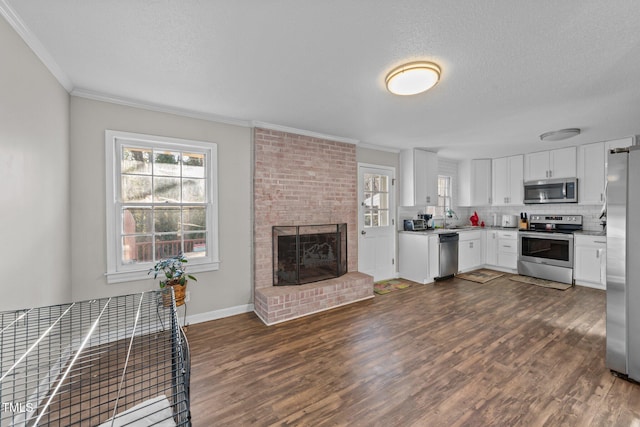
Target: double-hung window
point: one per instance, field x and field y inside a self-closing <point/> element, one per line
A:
<point x="161" y="201"/>
<point x="444" y="198"/>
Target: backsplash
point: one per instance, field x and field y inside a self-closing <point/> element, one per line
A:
<point x="590" y="213"/>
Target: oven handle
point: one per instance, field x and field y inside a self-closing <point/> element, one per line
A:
<point x="543" y="235"/>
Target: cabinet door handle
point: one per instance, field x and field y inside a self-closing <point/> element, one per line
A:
<point x="597" y="253"/>
<point x="470" y="245"/>
<point x="601" y="198"/>
<point x="597" y="241"/>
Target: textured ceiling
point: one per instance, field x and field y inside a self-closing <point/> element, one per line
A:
<point x="511" y="69"/>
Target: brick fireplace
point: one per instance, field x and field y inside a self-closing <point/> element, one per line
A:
<point x="301" y="180"/>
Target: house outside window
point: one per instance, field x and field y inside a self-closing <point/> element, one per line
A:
<point x="376" y="200"/>
<point x="161" y="201"/>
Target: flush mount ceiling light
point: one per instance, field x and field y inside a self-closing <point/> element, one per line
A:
<point x="558" y="135"/>
<point x="412" y="78"/>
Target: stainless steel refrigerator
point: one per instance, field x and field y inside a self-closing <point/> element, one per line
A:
<point x="623" y="262"/>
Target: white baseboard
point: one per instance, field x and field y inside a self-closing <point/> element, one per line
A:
<point x="219" y="314"/>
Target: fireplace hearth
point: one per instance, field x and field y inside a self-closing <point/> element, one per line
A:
<point x="308" y="253"/>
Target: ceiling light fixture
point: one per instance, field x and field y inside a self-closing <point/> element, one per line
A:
<point x="558" y="135"/>
<point x="412" y="78"/>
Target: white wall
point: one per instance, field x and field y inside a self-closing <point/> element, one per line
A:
<point x="231" y="285"/>
<point x="34" y="179"/>
<point x="378" y="157"/>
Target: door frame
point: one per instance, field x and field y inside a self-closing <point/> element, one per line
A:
<point x="393" y="206"/>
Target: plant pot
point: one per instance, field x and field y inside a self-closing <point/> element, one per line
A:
<point x="179" y="291"/>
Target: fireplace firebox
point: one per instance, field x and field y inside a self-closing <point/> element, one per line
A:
<point x="308" y="253"/>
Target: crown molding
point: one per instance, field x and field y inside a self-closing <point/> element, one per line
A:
<point x="97" y="96"/>
<point x="378" y="147"/>
<point x="303" y="132"/>
<point x="35" y="45"/>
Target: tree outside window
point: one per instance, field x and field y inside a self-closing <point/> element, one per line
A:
<point x="162" y="203"/>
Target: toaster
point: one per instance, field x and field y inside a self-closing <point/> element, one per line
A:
<point x="510" y="221"/>
<point x="415" y="225"/>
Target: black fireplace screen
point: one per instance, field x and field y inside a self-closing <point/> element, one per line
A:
<point x="308" y="253"/>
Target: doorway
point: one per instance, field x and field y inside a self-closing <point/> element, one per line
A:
<point x="376" y="221"/>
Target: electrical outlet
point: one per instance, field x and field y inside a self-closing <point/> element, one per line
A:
<point x="187" y="296"/>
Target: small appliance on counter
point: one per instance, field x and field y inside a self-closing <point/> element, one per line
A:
<point x="510" y="221"/>
<point x="415" y="225"/>
<point x="428" y="219"/>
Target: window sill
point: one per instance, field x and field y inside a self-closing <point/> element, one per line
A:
<point x="130" y="276"/>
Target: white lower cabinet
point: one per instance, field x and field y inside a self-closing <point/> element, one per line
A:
<point x="434" y="256"/>
<point x="419" y="253"/>
<point x="413" y="256"/>
<point x="501" y="249"/>
<point x="491" y="248"/>
<point x="469" y="250"/>
<point x="590" y="261"/>
<point x="508" y="249"/>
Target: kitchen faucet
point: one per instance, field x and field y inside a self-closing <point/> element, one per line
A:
<point x="448" y="213"/>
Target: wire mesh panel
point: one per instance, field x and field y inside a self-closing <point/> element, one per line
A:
<point x="105" y="362"/>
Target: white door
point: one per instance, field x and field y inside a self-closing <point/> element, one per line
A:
<point x="376" y="221"/>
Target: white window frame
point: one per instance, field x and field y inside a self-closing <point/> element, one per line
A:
<point x="117" y="271"/>
<point x="440" y="211"/>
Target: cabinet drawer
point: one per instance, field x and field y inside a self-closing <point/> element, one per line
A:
<point x="511" y="235"/>
<point x="508" y="246"/>
<point x="470" y="235"/>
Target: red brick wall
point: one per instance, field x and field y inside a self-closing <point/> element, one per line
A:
<point x="301" y="180"/>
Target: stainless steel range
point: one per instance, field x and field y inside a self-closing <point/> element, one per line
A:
<point x="545" y="250"/>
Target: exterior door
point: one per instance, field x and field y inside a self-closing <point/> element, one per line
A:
<point x="376" y="242"/>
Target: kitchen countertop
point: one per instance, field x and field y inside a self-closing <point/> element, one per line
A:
<point x="591" y="232"/>
<point x="464" y="228"/>
<point x="459" y="229"/>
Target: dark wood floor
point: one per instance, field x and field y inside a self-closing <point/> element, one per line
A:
<point x="456" y="353"/>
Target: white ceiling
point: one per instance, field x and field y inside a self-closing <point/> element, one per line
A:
<point x="512" y="69"/>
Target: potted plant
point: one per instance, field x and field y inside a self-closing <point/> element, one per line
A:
<point x="174" y="271"/>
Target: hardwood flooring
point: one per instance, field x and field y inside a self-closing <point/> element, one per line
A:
<point x="455" y="353"/>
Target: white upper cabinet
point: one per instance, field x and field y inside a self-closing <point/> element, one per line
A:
<point x="591" y="177"/>
<point x="507" y="180"/>
<point x="592" y="169"/>
<point x="474" y="182"/>
<point x="419" y="172"/>
<point x="560" y="163"/>
<point x="616" y="143"/>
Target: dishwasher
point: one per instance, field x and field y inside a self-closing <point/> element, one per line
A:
<point x="448" y="254"/>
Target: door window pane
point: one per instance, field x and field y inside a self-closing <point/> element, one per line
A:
<point x="376" y="200"/>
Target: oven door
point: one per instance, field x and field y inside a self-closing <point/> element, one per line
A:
<point x="546" y="248"/>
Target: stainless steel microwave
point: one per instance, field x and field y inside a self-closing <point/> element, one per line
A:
<point x="560" y="190"/>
